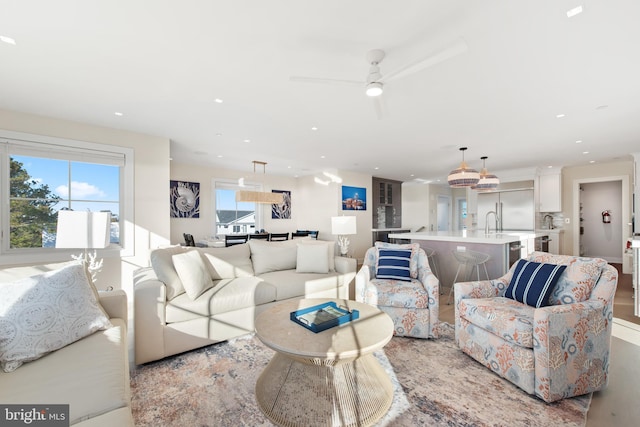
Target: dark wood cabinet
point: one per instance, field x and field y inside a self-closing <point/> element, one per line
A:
<point x="387" y="203"/>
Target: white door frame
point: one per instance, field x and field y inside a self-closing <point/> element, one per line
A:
<point x="626" y="219"/>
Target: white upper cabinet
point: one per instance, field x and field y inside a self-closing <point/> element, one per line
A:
<point x="550" y="192"/>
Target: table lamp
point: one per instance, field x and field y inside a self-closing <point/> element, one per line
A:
<point x="84" y="230"/>
<point x="343" y="226"/>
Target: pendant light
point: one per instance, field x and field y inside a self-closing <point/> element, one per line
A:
<point x="487" y="180"/>
<point x="463" y="176"/>
<point x="259" y="196"/>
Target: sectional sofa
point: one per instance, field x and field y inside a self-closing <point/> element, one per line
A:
<point x="192" y="297"/>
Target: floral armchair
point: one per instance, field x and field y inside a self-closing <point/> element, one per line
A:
<point x="412" y="304"/>
<point x="554" y="352"/>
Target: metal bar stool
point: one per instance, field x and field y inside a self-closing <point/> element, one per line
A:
<point x="433" y="264"/>
<point x="470" y="259"/>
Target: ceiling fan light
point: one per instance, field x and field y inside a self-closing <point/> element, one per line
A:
<point x="374" y="89"/>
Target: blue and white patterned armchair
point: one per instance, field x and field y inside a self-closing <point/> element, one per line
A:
<point x="412" y="305"/>
<point x="554" y="352"/>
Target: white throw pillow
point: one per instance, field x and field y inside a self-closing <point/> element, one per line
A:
<point x="273" y="256"/>
<point x="228" y="263"/>
<point x="162" y="263"/>
<point x="45" y="312"/>
<point x="331" y="247"/>
<point x="312" y="258"/>
<point x="192" y="272"/>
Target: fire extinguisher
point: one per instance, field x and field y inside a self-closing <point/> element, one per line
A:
<point x="606" y="217"/>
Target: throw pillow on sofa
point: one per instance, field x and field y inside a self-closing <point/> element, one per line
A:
<point x="331" y="247"/>
<point x="46" y="312"/>
<point x="162" y="263"/>
<point x="273" y="256"/>
<point x="192" y="273"/>
<point x="312" y="258"/>
<point x="228" y="263"/>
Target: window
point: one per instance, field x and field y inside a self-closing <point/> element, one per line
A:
<point x="44" y="175"/>
<point x="234" y="217"/>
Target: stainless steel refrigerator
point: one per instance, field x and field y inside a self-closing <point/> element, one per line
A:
<point x="515" y="208"/>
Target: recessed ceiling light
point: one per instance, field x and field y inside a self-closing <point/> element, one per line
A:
<point x="7" y="40"/>
<point x="322" y="157"/>
<point x="592" y="161"/>
<point x="575" y="11"/>
<point x="585" y="152"/>
<point x="118" y="113"/>
<point x="559" y="116"/>
<point x="376" y="168"/>
<point x="412" y="175"/>
<point x="218" y="134"/>
<point x="314" y="128"/>
<point x="247" y="140"/>
<point x="219" y="156"/>
<point x="288" y="167"/>
<point x="550" y="167"/>
<point x="219" y="101"/>
<point x="579" y="141"/>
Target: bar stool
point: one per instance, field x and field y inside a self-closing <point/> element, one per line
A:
<point x="470" y="259"/>
<point x="431" y="257"/>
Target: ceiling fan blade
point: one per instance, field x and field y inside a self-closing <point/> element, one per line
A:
<point x="314" y="80"/>
<point x="457" y="48"/>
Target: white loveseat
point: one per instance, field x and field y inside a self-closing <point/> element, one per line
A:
<point x="193" y="297"/>
<point x="91" y="375"/>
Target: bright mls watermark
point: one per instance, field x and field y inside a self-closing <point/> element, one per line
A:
<point x="34" y="415"/>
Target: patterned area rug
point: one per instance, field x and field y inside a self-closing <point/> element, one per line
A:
<point x="435" y="385"/>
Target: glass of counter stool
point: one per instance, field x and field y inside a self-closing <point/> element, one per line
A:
<point x="469" y="260"/>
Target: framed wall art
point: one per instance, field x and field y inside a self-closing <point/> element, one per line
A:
<point x="283" y="210"/>
<point x="354" y="198"/>
<point x="185" y="199"/>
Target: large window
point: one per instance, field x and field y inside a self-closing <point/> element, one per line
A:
<point x="42" y="176"/>
<point x="234" y="217"/>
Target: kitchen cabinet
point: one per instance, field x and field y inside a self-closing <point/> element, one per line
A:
<point x="550" y="192"/>
<point x="387" y="203"/>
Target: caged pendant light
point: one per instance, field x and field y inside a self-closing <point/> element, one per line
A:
<point x="487" y="180"/>
<point x="463" y="176"/>
<point x="259" y="196"/>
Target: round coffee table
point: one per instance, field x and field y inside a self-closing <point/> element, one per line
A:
<point x="330" y="378"/>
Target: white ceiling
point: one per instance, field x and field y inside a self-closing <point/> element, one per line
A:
<point x="163" y="64"/>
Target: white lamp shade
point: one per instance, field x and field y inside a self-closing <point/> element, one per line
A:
<point x="343" y="225"/>
<point x="83" y="230"/>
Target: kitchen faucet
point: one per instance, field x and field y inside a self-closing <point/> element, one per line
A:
<point x="486" y="221"/>
<point x="550" y="223"/>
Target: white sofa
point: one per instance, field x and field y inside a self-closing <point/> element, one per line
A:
<point x="179" y="305"/>
<point x="91" y="375"/>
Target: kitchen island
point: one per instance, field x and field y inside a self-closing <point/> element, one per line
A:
<point x="504" y="248"/>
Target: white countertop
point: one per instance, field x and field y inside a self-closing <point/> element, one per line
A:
<point x="391" y="229"/>
<point x="494" y="238"/>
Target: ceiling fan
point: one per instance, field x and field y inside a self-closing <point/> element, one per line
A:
<point x="375" y="81"/>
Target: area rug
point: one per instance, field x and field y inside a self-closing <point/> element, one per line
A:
<point x="435" y="384"/>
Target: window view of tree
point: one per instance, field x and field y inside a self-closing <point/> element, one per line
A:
<point x="31" y="212"/>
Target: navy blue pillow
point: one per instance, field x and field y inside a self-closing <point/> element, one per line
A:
<point x="533" y="282"/>
<point x="394" y="264"/>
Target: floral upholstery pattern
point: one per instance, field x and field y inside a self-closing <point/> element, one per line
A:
<point x="553" y="352"/>
<point x="413" y="306"/>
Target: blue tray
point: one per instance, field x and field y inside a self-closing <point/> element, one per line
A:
<point x="323" y="316"/>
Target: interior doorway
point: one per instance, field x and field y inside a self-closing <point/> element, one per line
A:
<point x="443" y="212"/>
<point x="461" y="213"/>
<point x="593" y="234"/>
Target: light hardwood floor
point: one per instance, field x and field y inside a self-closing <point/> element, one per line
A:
<point x="617" y="405"/>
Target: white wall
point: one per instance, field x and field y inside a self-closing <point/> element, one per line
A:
<point x="151" y="180"/>
<point x="599" y="239"/>
<point x="595" y="172"/>
<point x="312" y="204"/>
<point x="415" y="205"/>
